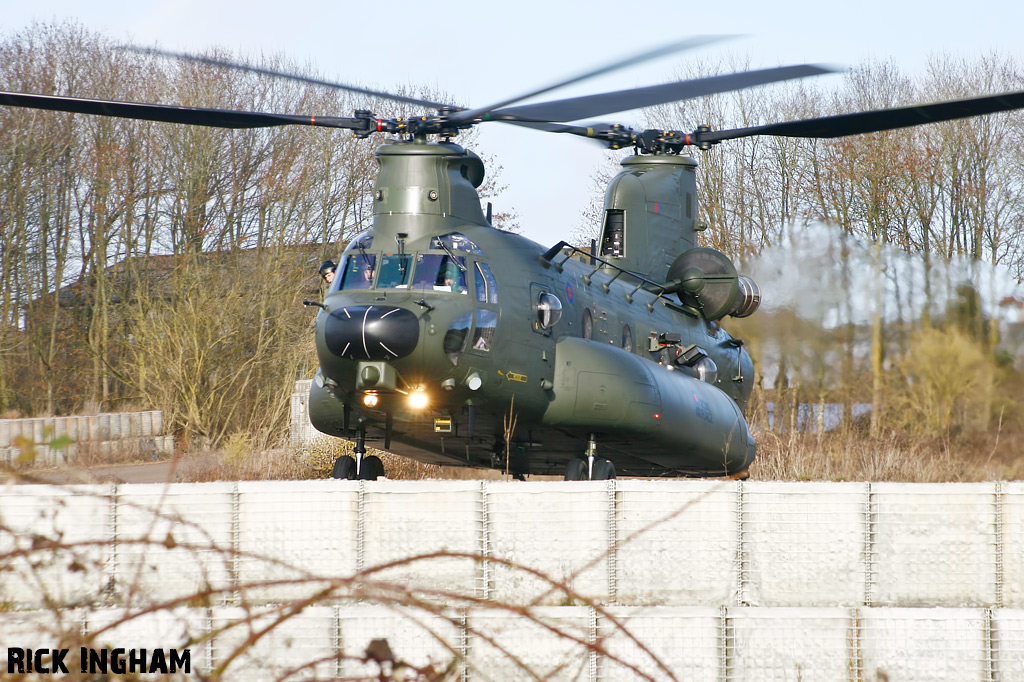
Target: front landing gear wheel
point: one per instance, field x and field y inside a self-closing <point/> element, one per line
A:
<point x="604" y="470"/>
<point x="344" y="468"/>
<point x="576" y="470"/>
<point x="370" y="468"/>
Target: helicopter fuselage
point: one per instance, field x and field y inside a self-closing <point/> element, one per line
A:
<point x="456" y="343"/>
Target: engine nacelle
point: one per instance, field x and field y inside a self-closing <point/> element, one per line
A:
<point x="706" y="281"/>
<point x="748" y="298"/>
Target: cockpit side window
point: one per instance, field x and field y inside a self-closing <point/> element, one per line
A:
<point x="440" y="273"/>
<point x="363" y="241"/>
<point x="455" y="241"/>
<point x="483" y="333"/>
<point x="395" y="270"/>
<point x="456" y="336"/>
<point x="486" y="286"/>
<point x="358" y="272"/>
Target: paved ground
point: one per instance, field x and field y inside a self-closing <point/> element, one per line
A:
<point x="165" y="470"/>
<point x="149" y="472"/>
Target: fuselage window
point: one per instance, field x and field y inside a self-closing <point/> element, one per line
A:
<point x="588" y="324"/>
<point x="455" y="338"/>
<point x="627" y="338"/>
<point x="549" y="310"/>
<point x="358" y="273"/>
<point x="486" y="286"/>
<point x="483" y="335"/>
<point x="435" y="272"/>
<point x="394" y="271"/>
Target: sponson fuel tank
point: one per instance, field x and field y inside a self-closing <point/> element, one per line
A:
<point x="599" y="385"/>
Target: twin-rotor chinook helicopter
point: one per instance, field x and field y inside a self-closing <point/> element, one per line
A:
<point x="452" y="342"/>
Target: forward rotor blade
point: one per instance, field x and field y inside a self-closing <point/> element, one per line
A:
<point x="877" y="120"/>
<point x="679" y="46"/>
<point x="283" y="74"/>
<point x="214" y="118"/>
<point x="623" y="100"/>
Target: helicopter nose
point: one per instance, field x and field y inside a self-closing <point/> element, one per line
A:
<point x="371" y="332"/>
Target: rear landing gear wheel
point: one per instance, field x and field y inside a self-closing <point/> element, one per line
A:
<point x="590" y="468"/>
<point x="576" y="470"/>
<point x="370" y="468"/>
<point x="344" y="468"/>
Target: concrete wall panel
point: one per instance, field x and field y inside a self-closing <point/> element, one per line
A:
<point x="1011" y="556"/>
<point x="1007" y="628"/>
<point x="549" y="641"/>
<point x="676" y="542"/>
<point x="933" y="544"/>
<point x="56" y="544"/>
<point x="174" y="540"/>
<point x="560" y="529"/>
<point x="177" y="628"/>
<point x="788" y="643"/>
<point x="302" y="643"/>
<point x="658" y="640"/>
<point x="924" y="645"/>
<point x="803" y="544"/>
<point x="295" y="531"/>
<point x="418" y="638"/>
<point x="404" y="519"/>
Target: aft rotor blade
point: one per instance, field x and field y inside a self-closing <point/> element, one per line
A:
<point x="873" y="121"/>
<point x="215" y="118"/>
<point x="671" y="48"/>
<point x="555" y="127"/>
<point x="283" y="74"/>
<point x="588" y="106"/>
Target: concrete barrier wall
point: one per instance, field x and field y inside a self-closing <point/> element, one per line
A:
<point x="107" y="430"/>
<point x="727" y="644"/>
<point x="302" y="432"/>
<point x="626" y="542"/>
<point x="719" y="580"/>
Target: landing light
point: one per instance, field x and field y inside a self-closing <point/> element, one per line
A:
<point x="418" y="399"/>
<point x="370" y="399"/>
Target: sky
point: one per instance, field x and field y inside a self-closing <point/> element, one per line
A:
<point x="481" y="53"/>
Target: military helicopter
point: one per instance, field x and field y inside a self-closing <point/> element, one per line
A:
<point x="452" y="342"/>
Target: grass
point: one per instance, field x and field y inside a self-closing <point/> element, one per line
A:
<point x="794" y="456"/>
<point x="314" y="462"/>
<point x="891" y="457"/>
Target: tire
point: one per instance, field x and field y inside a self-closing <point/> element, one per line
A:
<point x="344" y="468"/>
<point x="604" y="470"/>
<point x="576" y="470"/>
<point x="370" y="468"/>
<point x="519" y="465"/>
<point x="740" y="475"/>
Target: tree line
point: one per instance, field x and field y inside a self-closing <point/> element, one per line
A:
<point x="109" y="226"/>
<point x="920" y="221"/>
